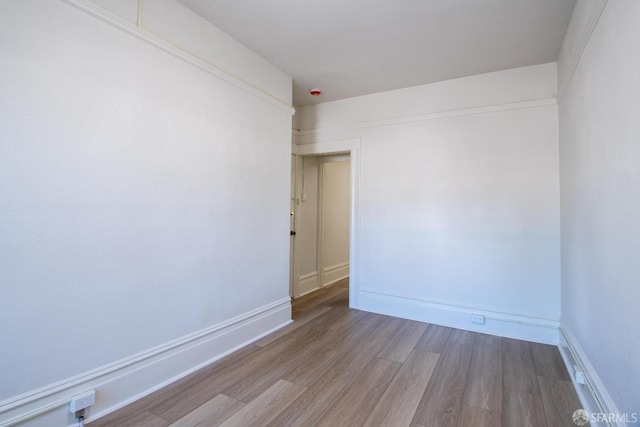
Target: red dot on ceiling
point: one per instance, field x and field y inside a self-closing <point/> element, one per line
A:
<point x="315" y="92"/>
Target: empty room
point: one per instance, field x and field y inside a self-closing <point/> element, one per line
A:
<point x="346" y="213"/>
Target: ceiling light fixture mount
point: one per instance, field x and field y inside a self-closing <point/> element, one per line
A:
<point x="315" y="92"/>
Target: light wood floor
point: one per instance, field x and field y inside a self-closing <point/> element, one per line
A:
<point x="340" y="367"/>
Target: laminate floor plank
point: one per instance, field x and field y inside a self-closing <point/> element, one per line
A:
<point x="178" y="388"/>
<point x="340" y="300"/>
<point x="189" y="398"/>
<point x="357" y="402"/>
<point x="349" y="318"/>
<point x="180" y="404"/>
<point x="231" y="359"/>
<point x="330" y="354"/>
<point x="519" y="372"/>
<point x="313" y="403"/>
<point x="523" y="410"/>
<point x="300" y="321"/>
<point x="210" y="414"/>
<point x="359" y="357"/>
<point x="252" y="385"/>
<point x="434" y="339"/>
<point x="559" y="400"/>
<point x="267" y="406"/>
<point x="142" y="419"/>
<point x="461" y="336"/>
<point x="399" y="402"/>
<point x="321" y="323"/>
<point x="343" y="367"/>
<point x="484" y="381"/>
<point x="470" y="416"/>
<point x="296" y="355"/>
<point x="548" y="361"/>
<point x="404" y="341"/>
<point x="318" y="297"/>
<point x="441" y="401"/>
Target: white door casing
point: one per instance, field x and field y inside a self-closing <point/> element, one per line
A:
<point x="353" y="147"/>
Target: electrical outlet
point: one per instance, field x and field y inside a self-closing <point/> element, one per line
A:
<point x="82" y="401"/>
<point x="477" y="318"/>
<point x="579" y="375"/>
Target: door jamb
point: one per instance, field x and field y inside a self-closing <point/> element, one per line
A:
<point x="353" y="147"/>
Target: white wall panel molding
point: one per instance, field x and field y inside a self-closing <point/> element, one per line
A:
<point x="593" y="394"/>
<point x="130" y="379"/>
<point x="496" y="323"/>
<point x="307" y="283"/>
<point x="333" y="273"/>
<point x="432" y="116"/>
<point x="173" y="49"/>
<point x="329" y="147"/>
<point x="336" y="267"/>
<point x="583" y="22"/>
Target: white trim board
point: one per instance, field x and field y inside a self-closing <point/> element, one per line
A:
<point x="593" y="394"/>
<point x="354" y="148"/>
<point x="130" y="379"/>
<point x="330" y="147"/>
<point x="307" y="283"/>
<point x="496" y="323"/>
<point x="427" y="117"/>
<point x="335" y="273"/>
<point x="575" y="55"/>
<point x="156" y="41"/>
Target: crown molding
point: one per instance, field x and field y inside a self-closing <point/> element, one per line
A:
<point x="583" y="40"/>
<point x="431" y="116"/>
<point x="166" y="46"/>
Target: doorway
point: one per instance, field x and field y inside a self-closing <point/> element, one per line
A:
<point x="321" y="211"/>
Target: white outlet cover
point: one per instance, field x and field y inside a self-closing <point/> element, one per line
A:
<point x="477" y="318"/>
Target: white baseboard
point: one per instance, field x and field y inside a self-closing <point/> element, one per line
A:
<point x="307" y="283"/>
<point x="310" y="282"/>
<point x="500" y="324"/>
<point x="593" y="395"/>
<point x="333" y="273"/>
<point x="128" y="380"/>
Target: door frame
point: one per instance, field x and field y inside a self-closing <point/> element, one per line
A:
<point x="292" y="222"/>
<point x="353" y="147"/>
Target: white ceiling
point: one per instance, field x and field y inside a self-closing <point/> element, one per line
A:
<point x="356" y="47"/>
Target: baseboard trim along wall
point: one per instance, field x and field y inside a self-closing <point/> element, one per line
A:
<point x="306" y="283"/>
<point x="333" y="273"/>
<point x="495" y="323"/>
<point x="592" y="394"/>
<point x="310" y="282"/>
<point x="128" y="380"/>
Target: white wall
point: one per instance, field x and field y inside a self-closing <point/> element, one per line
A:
<point x="142" y="200"/>
<point x="600" y="199"/>
<point x="169" y="19"/>
<point x="460" y="209"/>
<point x="125" y="9"/>
<point x="176" y="24"/>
